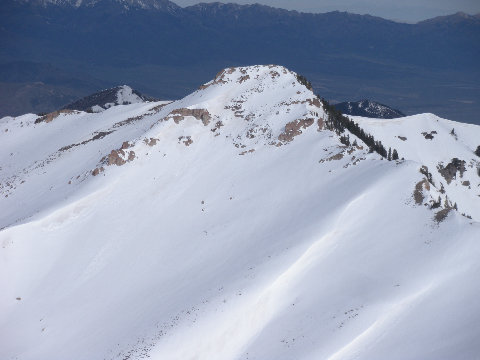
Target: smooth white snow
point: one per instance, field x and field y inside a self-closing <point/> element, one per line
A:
<point x="208" y="251"/>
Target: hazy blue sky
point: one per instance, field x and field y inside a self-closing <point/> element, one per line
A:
<point x="406" y="10"/>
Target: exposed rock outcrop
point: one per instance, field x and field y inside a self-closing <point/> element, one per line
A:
<point x="293" y="129"/>
<point x="449" y="172"/>
<point x="418" y="192"/>
<point x="199" y="114"/>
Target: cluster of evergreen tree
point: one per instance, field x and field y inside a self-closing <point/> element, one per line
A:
<point x="337" y="122"/>
<point x="303" y="80"/>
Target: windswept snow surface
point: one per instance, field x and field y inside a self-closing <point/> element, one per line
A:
<point x="231" y="225"/>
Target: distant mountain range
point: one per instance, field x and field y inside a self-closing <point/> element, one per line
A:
<point x="60" y="50"/>
<point x="368" y="108"/>
<point x="162" y="5"/>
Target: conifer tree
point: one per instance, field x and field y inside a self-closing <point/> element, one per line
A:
<point x="395" y="154"/>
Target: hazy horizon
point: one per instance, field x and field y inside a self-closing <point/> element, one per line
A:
<point x="407" y="11"/>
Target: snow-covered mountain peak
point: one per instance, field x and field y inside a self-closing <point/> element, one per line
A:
<point x="244" y="221"/>
<point x="258" y="102"/>
<point x="368" y="108"/>
<point x="242" y="109"/>
<point x="120" y="95"/>
<point x="126" y="95"/>
<point x="257" y="73"/>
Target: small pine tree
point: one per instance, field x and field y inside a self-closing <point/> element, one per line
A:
<point x="345" y="140"/>
<point x="395" y="154"/>
<point x="477" y="152"/>
<point x="389" y="157"/>
<point x="355" y="143"/>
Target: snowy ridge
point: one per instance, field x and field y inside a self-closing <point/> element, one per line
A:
<point x="434" y="142"/>
<point x="231" y="225"/>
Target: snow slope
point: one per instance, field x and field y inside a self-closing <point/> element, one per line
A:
<point x="231" y="225"/>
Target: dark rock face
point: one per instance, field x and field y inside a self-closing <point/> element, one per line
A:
<point x="368" y="108"/>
